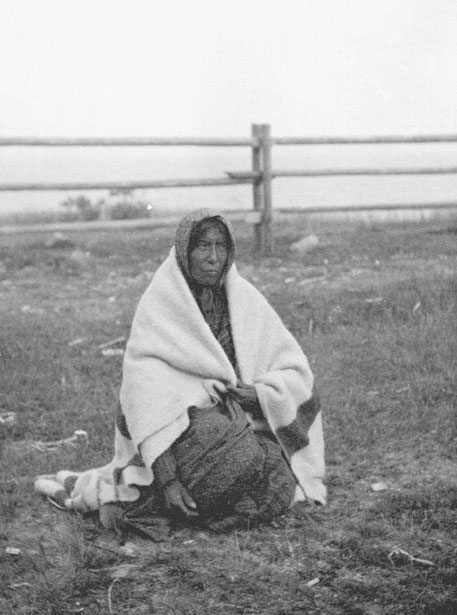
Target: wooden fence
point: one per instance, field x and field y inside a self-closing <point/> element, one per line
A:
<point x="260" y="175"/>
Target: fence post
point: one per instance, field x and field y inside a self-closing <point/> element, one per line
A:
<point x="256" y="133"/>
<point x="267" y="214"/>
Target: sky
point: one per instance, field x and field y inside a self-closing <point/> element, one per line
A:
<point x="214" y="67"/>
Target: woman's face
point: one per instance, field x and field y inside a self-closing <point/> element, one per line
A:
<point x="208" y="258"/>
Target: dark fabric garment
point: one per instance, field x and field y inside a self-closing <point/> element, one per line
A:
<point x="214" y="307"/>
<point x="164" y="469"/>
<point x="269" y="496"/>
<point x="236" y="477"/>
<point x="217" y="456"/>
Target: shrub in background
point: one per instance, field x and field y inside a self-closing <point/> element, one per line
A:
<point x="124" y="208"/>
<point x="127" y="208"/>
<point x="82" y="208"/>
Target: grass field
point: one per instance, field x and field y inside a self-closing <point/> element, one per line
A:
<point x="374" y="308"/>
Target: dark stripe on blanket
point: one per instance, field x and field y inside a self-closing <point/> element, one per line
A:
<point x="121" y="423"/>
<point x="136" y="461"/>
<point x="60" y="496"/>
<point x="69" y="483"/>
<point x="294" y="437"/>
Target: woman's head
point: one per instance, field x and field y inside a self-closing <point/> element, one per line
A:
<point x="208" y="252"/>
<point x="205" y="248"/>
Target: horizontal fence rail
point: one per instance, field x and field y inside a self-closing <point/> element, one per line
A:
<point x="235" y="178"/>
<point x="216" y="142"/>
<point x="124" y="142"/>
<point x="131" y="185"/>
<point x="348" y="171"/>
<point x="375" y="140"/>
<point x="368" y="208"/>
<point x="335" y="172"/>
<point x="386" y="171"/>
<point x="260" y="176"/>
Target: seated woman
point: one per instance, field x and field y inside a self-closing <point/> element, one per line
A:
<point x="217" y="418"/>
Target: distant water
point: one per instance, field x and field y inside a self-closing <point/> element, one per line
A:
<point x="41" y="164"/>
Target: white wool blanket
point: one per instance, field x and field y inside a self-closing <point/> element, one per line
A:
<point x="173" y="361"/>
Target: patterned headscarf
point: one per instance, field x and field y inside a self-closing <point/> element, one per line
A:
<point x="211" y="300"/>
<point x="183" y="237"/>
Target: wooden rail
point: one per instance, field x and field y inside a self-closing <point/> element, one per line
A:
<point x="217" y="142"/>
<point x="381" y="171"/>
<point x="123" y="142"/>
<point x="375" y="140"/>
<point x="260" y="176"/>
<point x="242" y="175"/>
<point x="130" y="185"/>
<point x="378" y="207"/>
<point x="234" y="178"/>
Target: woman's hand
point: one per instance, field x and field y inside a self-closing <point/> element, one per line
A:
<point x="243" y="393"/>
<point x="177" y="498"/>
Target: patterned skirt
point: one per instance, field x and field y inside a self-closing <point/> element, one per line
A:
<point x="237" y="477"/>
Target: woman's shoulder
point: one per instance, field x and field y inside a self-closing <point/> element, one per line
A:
<point x="167" y="272"/>
<point x="167" y="283"/>
<point x="240" y="287"/>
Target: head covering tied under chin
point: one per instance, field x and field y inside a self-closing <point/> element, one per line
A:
<point x="184" y="234"/>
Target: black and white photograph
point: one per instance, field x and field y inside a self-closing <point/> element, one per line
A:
<point x="228" y="307"/>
